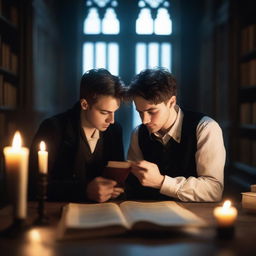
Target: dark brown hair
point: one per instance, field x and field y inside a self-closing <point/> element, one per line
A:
<point x="155" y="85"/>
<point x="96" y="82"/>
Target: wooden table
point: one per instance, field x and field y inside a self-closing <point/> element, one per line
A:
<point x="191" y="242"/>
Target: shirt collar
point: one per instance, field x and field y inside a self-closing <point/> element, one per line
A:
<point x="175" y="131"/>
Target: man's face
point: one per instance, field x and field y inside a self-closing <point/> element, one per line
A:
<point x="156" y="116"/>
<point x="100" y="114"/>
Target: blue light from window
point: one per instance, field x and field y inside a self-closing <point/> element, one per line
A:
<point x="100" y="58"/>
<point x="88" y="56"/>
<point x="141" y="57"/>
<point x="166" y="55"/>
<point x="92" y="22"/>
<point x="153" y="53"/>
<point x="113" y="58"/>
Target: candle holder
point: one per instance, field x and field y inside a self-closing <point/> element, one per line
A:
<point x="42" y="218"/>
<point x="225" y="233"/>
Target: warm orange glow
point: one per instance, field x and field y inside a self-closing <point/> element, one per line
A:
<point x="42" y="146"/>
<point x="35" y="235"/>
<point x="16" y="143"/>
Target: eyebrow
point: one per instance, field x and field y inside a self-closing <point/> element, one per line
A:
<point x="149" y="109"/>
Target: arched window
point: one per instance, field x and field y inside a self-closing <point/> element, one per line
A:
<point x="127" y="36"/>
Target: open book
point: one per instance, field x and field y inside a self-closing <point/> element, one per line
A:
<point x="118" y="171"/>
<point x="90" y="220"/>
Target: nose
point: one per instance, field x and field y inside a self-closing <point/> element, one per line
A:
<point x="145" y="118"/>
<point x="111" y="118"/>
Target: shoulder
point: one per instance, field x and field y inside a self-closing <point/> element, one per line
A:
<point x="61" y="119"/>
<point x="208" y="124"/>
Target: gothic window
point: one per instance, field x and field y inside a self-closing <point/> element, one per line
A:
<point x="127" y="36"/>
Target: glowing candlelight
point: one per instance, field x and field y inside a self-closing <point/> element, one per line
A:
<point x="225" y="215"/>
<point x="42" y="158"/>
<point x="16" y="164"/>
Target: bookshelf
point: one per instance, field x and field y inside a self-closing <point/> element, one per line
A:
<point x="244" y="162"/>
<point x="10" y="41"/>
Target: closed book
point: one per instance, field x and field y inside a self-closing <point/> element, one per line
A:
<point x="118" y="171"/>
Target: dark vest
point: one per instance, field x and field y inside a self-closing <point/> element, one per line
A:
<point x="173" y="159"/>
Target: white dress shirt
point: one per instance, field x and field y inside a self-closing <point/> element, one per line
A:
<point x="210" y="160"/>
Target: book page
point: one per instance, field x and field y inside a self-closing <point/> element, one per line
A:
<point x="166" y="213"/>
<point x="93" y="215"/>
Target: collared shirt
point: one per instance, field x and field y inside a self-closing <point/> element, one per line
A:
<point x="210" y="160"/>
<point x="93" y="139"/>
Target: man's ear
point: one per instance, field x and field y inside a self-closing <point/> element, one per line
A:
<point x="84" y="104"/>
<point x="172" y="101"/>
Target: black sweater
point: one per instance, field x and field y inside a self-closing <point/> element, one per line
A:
<point x="71" y="165"/>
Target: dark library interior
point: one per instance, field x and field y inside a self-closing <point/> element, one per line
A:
<point x="213" y="59"/>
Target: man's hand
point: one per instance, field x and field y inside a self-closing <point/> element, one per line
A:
<point x="101" y="190"/>
<point x="148" y="174"/>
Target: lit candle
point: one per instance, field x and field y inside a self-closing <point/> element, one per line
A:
<point x="43" y="158"/>
<point x="225" y="215"/>
<point x="16" y="163"/>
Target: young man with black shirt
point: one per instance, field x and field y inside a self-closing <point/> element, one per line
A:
<point x="81" y="141"/>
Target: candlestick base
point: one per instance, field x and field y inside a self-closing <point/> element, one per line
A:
<point x="225" y="232"/>
<point x="42" y="221"/>
<point x="16" y="229"/>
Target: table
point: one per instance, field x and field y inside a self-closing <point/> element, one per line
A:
<point x="194" y="242"/>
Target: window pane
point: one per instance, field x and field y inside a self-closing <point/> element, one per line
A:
<point x="113" y="58"/>
<point x="101" y="55"/>
<point x="166" y="55"/>
<point x="110" y="23"/>
<point x="144" y="22"/>
<point x="163" y="23"/>
<point x="88" y="57"/>
<point x="140" y="57"/>
<point x="92" y="22"/>
<point x="100" y="59"/>
<point x="153" y="53"/>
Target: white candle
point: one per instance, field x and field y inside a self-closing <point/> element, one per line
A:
<point x="225" y="215"/>
<point x="42" y="158"/>
<point x="16" y="164"/>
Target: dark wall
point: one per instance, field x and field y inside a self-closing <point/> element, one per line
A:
<point x="191" y="14"/>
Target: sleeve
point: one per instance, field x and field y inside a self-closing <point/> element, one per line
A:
<point x="210" y="160"/>
<point x="68" y="189"/>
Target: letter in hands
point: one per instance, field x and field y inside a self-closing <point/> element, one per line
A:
<point x="101" y="190"/>
<point x="148" y="174"/>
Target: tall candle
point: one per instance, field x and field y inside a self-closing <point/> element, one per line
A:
<point x="16" y="164"/>
<point x="42" y="158"/>
<point x="225" y="215"/>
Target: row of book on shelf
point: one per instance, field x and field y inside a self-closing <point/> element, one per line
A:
<point x="248" y="113"/>
<point x="9" y="11"/>
<point x="248" y="73"/>
<point x="247" y="151"/>
<point x="8" y="58"/>
<point x="8" y="93"/>
<point x="248" y="39"/>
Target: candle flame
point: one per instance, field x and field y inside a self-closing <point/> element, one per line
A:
<point x="16" y="143"/>
<point x="42" y="146"/>
<point x="35" y="235"/>
<point x="227" y="204"/>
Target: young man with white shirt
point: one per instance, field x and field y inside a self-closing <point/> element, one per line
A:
<point x="81" y="141"/>
<point x="176" y="153"/>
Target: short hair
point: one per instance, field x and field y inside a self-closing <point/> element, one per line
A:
<point x="96" y="82"/>
<point x="155" y="85"/>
